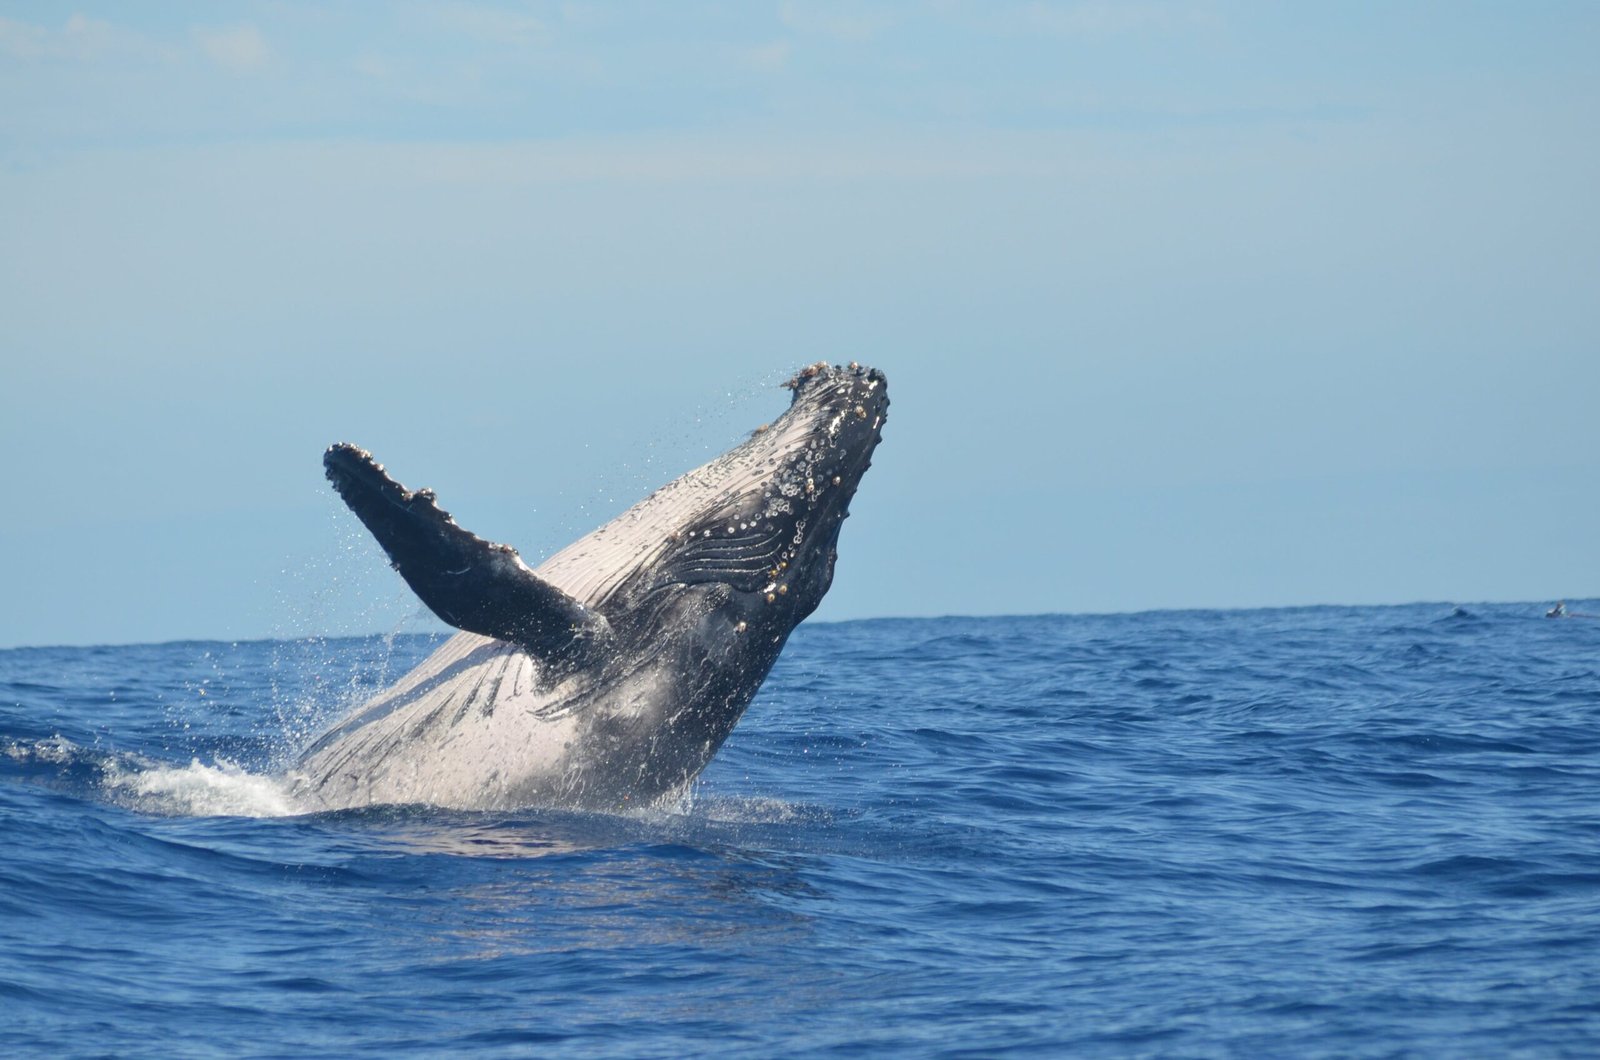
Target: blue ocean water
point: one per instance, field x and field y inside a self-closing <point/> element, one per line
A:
<point x="1319" y="831"/>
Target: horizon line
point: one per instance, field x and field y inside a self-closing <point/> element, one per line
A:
<point x="324" y="637"/>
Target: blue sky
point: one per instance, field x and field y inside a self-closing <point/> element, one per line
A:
<point x="1182" y="304"/>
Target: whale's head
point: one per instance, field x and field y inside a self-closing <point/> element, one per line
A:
<point x="755" y="535"/>
<point x="750" y="536"/>
<point x="843" y="412"/>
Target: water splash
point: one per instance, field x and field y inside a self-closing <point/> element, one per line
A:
<point x="145" y="785"/>
<point x="197" y="790"/>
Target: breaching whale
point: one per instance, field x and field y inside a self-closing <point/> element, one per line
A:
<point x="607" y="676"/>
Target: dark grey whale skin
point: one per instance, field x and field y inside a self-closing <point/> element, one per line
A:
<point x="609" y="676"/>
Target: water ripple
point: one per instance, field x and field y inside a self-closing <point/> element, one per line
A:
<point x="1312" y="831"/>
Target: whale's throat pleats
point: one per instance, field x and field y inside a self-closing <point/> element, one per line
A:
<point x="741" y="554"/>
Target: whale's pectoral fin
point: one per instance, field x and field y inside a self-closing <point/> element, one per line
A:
<point x="473" y="584"/>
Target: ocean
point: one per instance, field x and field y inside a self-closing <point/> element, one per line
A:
<point x="1332" y="831"/>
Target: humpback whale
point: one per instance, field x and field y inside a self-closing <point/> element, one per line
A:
<point x="609" y="675"/>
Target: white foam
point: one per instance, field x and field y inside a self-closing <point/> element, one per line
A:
<point x="199" y="790"/>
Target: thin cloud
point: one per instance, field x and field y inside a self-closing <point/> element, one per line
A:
<point x="238" y="49"/>
<point x="493" y="24"/>
<point x="20" y="40"/>
<point x="766" y="58"/>
<point x="852" y="24"/>
<point x="1101" y="17"/>
<point x="1081" y="18"/>
<point x="80" y="39"/>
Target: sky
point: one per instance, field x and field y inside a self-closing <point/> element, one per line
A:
<point x="1182" y="305"/>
